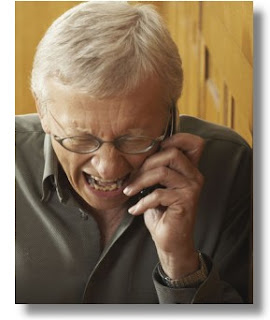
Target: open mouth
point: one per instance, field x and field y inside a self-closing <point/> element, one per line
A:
<point x="105" y="185"/>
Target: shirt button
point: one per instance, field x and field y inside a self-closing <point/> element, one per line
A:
<point x="84" y="215"/>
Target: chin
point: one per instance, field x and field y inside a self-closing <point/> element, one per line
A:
<point x="107" y="202"/>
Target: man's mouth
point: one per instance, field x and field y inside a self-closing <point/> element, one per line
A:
<point x="104" y="185"/>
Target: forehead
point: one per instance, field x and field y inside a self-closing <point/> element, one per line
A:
<point x="143" y="108"/>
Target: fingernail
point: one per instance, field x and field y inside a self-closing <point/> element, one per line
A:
<point x="127" y="191"/>
<point x="132" y="210"/>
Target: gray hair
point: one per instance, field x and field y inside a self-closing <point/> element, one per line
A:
<point x="106" y="49"/>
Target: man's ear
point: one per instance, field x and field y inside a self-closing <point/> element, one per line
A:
<point x="43" y="115"/>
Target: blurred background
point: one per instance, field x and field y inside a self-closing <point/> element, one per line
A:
<point x="215" y="41"/>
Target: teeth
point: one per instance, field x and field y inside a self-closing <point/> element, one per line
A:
<point x="104" y="185"/>
<point x="102" y="180"/>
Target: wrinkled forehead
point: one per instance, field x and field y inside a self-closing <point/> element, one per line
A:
<point x="147" y="91"/>
<point x="144" y="108"/>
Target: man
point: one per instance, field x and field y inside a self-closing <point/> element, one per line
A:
<point x="115" y="203"/>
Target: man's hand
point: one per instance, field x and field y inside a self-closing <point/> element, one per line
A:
<point x="170" y="213"/>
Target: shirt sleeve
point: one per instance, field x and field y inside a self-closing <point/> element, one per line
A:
<point x="212" y="290"/>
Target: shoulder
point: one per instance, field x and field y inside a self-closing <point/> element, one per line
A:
<point x="28" y="133"/>
<point x="225" y="150"/>
<point x="28" y="123"/>
<point x="29" y="154"/>
<point x="212" y="132"/>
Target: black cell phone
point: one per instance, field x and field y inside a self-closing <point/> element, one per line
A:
<point x="172" y="128"/>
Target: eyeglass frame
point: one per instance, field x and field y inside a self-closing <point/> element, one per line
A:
<point x="168" y="132"/>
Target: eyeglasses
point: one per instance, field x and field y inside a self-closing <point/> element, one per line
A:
<point x="125" y="144"/>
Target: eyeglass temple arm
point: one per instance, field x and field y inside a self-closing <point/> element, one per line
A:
<point x="59" y="125"/>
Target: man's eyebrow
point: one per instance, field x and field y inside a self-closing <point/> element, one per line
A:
<point x="76" y="128"/>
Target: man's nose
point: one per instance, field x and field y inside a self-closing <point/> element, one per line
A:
<point x="109" y="163"/>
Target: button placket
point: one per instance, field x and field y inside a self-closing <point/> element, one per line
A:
<point x="83" y="214"/>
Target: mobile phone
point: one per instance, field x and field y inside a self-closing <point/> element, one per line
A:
<point x="172" y="128"/>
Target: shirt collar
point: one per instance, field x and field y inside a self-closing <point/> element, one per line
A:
<point x="52" y="177"/>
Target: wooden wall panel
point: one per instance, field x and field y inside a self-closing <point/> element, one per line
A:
<point x="227" y="67"/>
<point x="180" y="17"/>
<point x="237" y="17"/>
<point x="215" y="40"/>
<point x="32" y="18"/>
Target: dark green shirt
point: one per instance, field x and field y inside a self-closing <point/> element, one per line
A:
<point x="58" y="254"/>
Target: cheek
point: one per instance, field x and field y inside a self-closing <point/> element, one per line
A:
<point x="70" y="162"/>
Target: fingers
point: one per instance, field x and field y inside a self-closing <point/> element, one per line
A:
<point x="191" y="145"/>
<point x="172" y="158"/>
<point x="158" y="198"/>
<point x="165" y="176"/>
<point x="172" y="167"/>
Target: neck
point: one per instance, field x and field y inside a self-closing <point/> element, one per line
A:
<point x="108" y="221"/>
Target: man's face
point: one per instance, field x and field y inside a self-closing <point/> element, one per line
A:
<point x="100" y="177"/>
